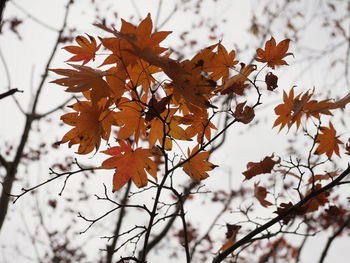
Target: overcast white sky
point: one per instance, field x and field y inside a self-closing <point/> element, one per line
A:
<point x="26" y="60"/>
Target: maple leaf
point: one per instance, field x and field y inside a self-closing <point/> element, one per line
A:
<point x="203" y="59"/>
<point x="171" y="129"/>
<point x="319" y="177"/>
<point x="333" y="216"/>
<point x="282" y="209"/>
<point x="84" y="79"/>
<point x="188" y="82"/>
<point x="347" y="147"/>
<point x="198" y="165"/>
<point x="199" y="125"/>
<point x="141" y="74"/>
<point x="290" y="111"/>
<point x="116" y="79"/>
<point x="130" y="118"/>
<point x="231" y="234"/>
<point x="271" y="81"/>
<point x="85" y="51"/>
<point x="92" y="122"/>
<point x="317" y="201"/>
<point x="129" y="163"/>
<point x="157" y="134"/>
<point x="265" y="166"/>
<point x="237" y="83"/>
<point x="315" y="108"/>
<point x="189" y="87"/>
<point x="221" y="63"/>
<point x="244" y="114"/>
<point x="156" y="107"/>
<point x="138" y="42"/>
<point x="273" y="54"/>
<point x="260" y="194"/>
<point x="328" y="141"/>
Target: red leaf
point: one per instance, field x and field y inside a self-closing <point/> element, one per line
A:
<point x="265" y="166"/>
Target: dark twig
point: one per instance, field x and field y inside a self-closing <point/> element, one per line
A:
<point x="332" y="238"/>
<point x="199" y="241"/>
<point x="111" y="247"/>
<point x="2" y="8"/>
<point x="297" y="258"/>
<point x="8" y="76"/>
<point x="9" y="93"/>
<point x="58" y="175"/>
<point x="35" y="19"/>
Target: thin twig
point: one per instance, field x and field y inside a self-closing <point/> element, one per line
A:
<point x="9" y="85"/>
<point x="58" y="175"/>
<point x="35" y="19"/>
<point x="111" y="247"/>
<point x="9" y="93"/>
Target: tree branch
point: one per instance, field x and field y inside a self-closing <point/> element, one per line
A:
<point x="9" y="93"/>
<point x="290" y="211"/>
<point x="332" y="238"/>
<point x="111" y="247"/>
<point x="12" y="169"/>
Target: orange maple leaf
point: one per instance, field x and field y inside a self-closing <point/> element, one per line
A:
<point x="130" y="118"/>
<point x="172" y="130"/>
<point x="328" y="141"/>
<point x="129" y="163"/>
<point x="141" y="74"/>
<point x="237" y="83"/>
<point x="231" y="234"/>
<point x="221" y="63"/>
<point x="92" y="122"/>
<point x="291" y="110"/>
<point x="138" y="42"/>
<point x="273" y="54"/>
<point x="85" y="51"/>
<point x="265" y="166"/>
<point x="199" y="125"/>
<point x="260" y="194"/>
<point x="156" y="133"/>
<point x="198" y="165"/>
<point x="191" y="86"/>
<point x="188" y="83"/>
<point x="84" y="79"/>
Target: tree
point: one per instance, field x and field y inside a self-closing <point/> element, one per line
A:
<point x="153" y="110"/>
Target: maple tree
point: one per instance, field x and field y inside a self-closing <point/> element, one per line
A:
<point x="158" y="117"/>
<point x="148" y="110"/>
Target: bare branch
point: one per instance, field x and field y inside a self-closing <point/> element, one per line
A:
<point x="3" y="162"/>
<point x="287" y="212"/>
<point x="7" y="71"/>
<point x="35" y="19"/>
<point x="332" y="238"/>
<point x="111" y="247"/>
<point x="9" y="93"/>
<point x="58" y="175"/>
